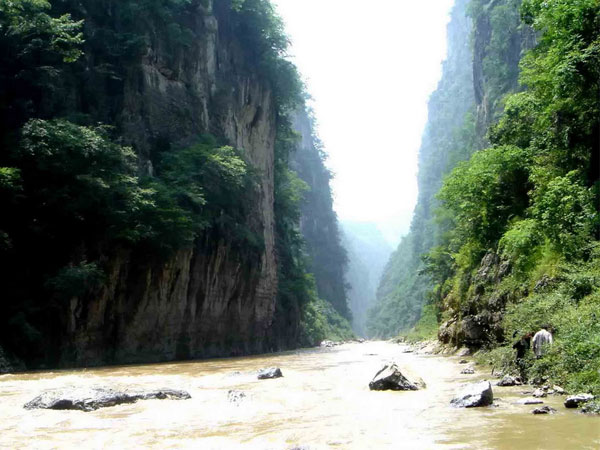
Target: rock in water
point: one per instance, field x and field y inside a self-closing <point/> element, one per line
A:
<point x="271" y="372"/>
<point x="473" y="395"/>
<point x="508" y="381"/>
<point x="90" y="399"/>
<point x="539" y="393"/>
<point x="236" y="397"/>
<point x="544" y="410"/>
<point x="330" y="344"/>
<point x="391" y="379"/>
<point x="467" y="371"/>
<point x="575" y="400"/>
<point x="530" y="401"/>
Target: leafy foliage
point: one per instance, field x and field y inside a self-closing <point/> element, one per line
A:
<point x="262" y="33"/>
<point x="76" y="280"/>
<point x="34" y="48"/>
<point x="203" y="186"/>
<point x="485" y="192"/>
<point x="320" y="321"/>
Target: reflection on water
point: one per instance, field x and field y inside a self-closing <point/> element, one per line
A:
<point x="323" y="402"/>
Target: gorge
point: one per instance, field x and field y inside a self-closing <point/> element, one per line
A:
<point x="167" y="198"/>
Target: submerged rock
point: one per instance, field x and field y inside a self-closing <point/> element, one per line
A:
<point x="474" y="395"/>
<point x="91" y="399"/>
<point x="389" y="378"/>
<point x="509" y="381"/>
<point x="236" y="397"/>
<point x="330" y="344"/>
<point x="271" y="372"/>
<point x="544" y="410"/>
<point x="574" y="401"/>
<point x="530" y="401"/>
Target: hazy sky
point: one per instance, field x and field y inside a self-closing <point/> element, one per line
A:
<point x="370" y="67"/>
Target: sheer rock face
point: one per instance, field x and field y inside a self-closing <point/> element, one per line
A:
<point x="212" y="299"/>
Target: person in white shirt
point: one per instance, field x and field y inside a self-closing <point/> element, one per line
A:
<point x="541" y="339"/>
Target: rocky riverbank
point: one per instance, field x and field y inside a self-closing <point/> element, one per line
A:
<point x="532" y="394"/>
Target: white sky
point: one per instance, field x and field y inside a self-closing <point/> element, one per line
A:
<point x="370" y="67"/>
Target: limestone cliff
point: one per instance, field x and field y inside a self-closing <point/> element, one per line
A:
<point x="212" y="299"/>
<point x="162" y="75"/>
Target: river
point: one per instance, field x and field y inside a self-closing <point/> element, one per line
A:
<point x="322" y="402"/>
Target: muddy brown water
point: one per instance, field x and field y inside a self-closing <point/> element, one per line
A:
<point x="322" y="402"/>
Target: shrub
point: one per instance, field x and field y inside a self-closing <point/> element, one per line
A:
<point x="76" y="280"/>
<point x="566" y="213"/>
<point x="521" y="245"/>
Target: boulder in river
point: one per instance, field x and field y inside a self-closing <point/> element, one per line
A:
<point x="544" y="410"/>
<point x="474" y="395"/>
<point x="558" y="390"/>
<point x="574" y="401"/>
<point x="508" y="380"/>
<point x="467" y="371"/>
<point x="271" y="372"/>
<point x="91" y="399"/>
<point x="390" y="378"/>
